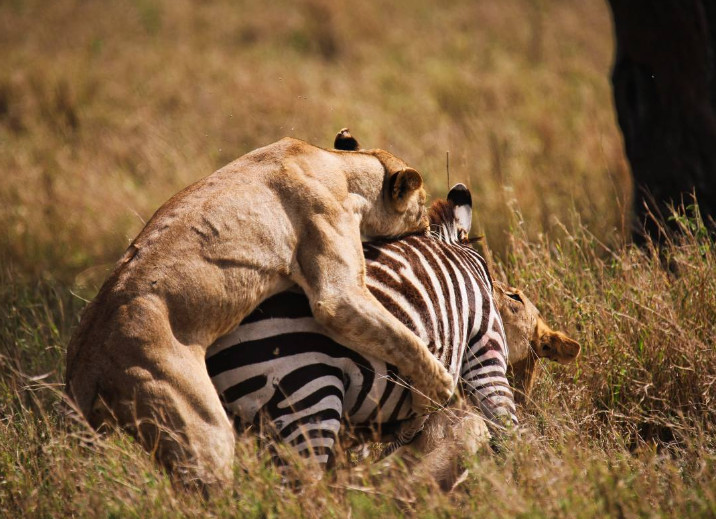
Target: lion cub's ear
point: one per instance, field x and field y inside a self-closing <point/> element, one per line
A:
<point x="402" y="185"/>
<point x="345" y="141"/>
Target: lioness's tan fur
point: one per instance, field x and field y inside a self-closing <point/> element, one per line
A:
<point x="286" y="213"/>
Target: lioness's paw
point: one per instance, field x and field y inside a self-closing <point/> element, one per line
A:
<point x="433" y="391"/>
<point x="444" y="385"/>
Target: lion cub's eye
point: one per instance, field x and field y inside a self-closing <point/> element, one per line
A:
<point x="514" y="296"/>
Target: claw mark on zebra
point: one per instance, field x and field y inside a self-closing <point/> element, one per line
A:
<point x="436" y="284"/>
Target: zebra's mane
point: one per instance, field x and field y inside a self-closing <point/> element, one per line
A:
<point x="441" y="211"/>
<point x="443" y="224"/>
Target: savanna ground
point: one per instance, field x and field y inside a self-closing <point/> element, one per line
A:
<point x="106" y="109"/>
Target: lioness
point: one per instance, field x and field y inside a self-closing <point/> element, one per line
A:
<point x="286" y="213"/>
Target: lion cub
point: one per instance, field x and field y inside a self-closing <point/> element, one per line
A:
<point x="286" y="213"/>
<point x="450" y="436"/>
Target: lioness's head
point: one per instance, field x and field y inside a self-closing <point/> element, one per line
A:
<point x="405" y="197"/>
<point x="403" y="209"/>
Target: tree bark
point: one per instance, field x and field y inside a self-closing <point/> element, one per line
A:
<point x="664" y="89"/>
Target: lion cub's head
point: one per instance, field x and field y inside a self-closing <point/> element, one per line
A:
<point x="529" y="338"/>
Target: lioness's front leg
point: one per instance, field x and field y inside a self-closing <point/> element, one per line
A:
<point x="331" y="271"/>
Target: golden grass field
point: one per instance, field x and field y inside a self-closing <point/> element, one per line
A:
<point x="108" y="108"/>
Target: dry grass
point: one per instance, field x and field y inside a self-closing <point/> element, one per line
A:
<point x="628" y="431"/>
<point x="106" y="109"/>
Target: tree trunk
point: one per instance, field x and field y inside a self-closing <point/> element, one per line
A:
<point x="665" y="95"/>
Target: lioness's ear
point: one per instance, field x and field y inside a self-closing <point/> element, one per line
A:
<point x="345" y="141"/>
<point x="403" y="184"/>
<point x="461" y="199"/>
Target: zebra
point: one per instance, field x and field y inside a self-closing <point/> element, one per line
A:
<point x="279" y="365"/>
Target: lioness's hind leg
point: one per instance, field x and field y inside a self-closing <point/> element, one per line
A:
<point x="179" y="417"/>
<point x="156" y="388"/>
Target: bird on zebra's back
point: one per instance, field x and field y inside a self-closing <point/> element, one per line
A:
<point x="281" y="371"/>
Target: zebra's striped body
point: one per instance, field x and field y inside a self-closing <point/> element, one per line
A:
<point x="280" y="363"/>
